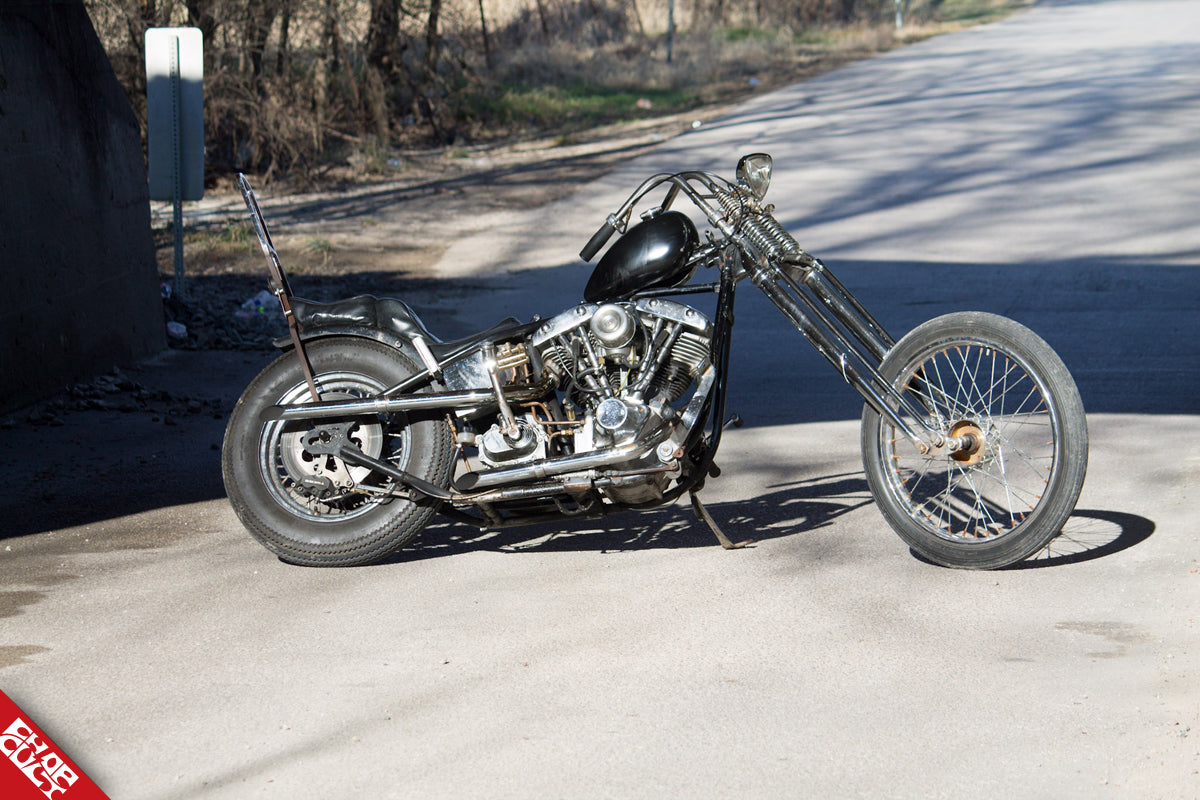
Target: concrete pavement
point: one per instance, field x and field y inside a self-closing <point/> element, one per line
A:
<point x="1044" y="167"/>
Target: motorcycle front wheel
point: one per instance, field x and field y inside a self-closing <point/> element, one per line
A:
<point x="999" y="386"/>
<point x="319" y="510"/>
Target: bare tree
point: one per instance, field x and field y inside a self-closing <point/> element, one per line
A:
<point x="487" y="47"/>
<point x="385" y="51"/>
<point x="283" y="56"/>
<point x="260" y="16"/>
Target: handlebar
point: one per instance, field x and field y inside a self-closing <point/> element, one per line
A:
<point x="599" y="238"/>
<point x="707" y="195"/>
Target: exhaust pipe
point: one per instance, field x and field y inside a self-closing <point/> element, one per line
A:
<point x="555" y="466"/>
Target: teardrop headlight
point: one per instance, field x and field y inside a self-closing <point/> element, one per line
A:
<point x="754" y="173"/>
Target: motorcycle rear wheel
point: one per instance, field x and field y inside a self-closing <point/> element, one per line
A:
<point x="1004" y="499"/>
<point x="319" y="510"/>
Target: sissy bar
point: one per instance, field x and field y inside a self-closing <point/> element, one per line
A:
<point x="278" y="281"/>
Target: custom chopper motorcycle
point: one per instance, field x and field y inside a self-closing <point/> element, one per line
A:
<point x="974" y="440"/>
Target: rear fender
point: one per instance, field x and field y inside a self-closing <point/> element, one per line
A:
<point x="358" y="331"/>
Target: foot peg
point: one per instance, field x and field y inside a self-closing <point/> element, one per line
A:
<point x="703" y="514"/>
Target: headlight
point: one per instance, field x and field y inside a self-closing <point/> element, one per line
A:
<point x="754" y="173"/>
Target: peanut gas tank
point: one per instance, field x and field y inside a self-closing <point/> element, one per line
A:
<point x="652" y="254"/>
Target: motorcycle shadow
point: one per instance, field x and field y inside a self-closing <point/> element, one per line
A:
<point x="798" y="507"/>
<point x="1088" y="535"/>
<point x="794" y="508"/>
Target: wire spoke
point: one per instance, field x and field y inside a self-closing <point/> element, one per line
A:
<point x="974" y="383"/>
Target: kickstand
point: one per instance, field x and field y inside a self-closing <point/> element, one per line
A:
<point x="703" y="514"/>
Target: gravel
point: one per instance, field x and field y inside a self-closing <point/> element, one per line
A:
<point x="216" y="317"/>
<point x="116" y="392"/>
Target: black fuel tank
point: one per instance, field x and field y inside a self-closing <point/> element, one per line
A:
<point x="652" y="254"/>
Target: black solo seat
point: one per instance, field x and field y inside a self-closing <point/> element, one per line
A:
<point x="396" y="317"/>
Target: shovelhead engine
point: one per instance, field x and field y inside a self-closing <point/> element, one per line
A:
<point x="632" y="351"/>
<point x="618" y="368"/>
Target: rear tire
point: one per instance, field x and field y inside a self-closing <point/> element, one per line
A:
<point x="319" y="510"/>
<point x="993" y="379"/>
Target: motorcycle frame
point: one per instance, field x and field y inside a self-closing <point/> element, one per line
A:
<point x="812" y="298"/>
<point x="809" y="295"/>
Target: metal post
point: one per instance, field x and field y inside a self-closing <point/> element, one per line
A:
<point x="177" y="165"/>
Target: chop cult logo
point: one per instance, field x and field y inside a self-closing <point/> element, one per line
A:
<point x="45" y="768"/>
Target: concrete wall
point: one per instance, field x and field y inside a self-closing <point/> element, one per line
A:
<point x="78" y="283"/>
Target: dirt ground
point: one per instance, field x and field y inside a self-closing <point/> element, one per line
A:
<point x="376" y="233"/>
<point x="400" y="220"/>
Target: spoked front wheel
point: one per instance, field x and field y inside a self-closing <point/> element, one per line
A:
<point x="997" y="385"/>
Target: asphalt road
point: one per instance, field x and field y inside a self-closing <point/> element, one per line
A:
<point x="1045" y="167"/>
